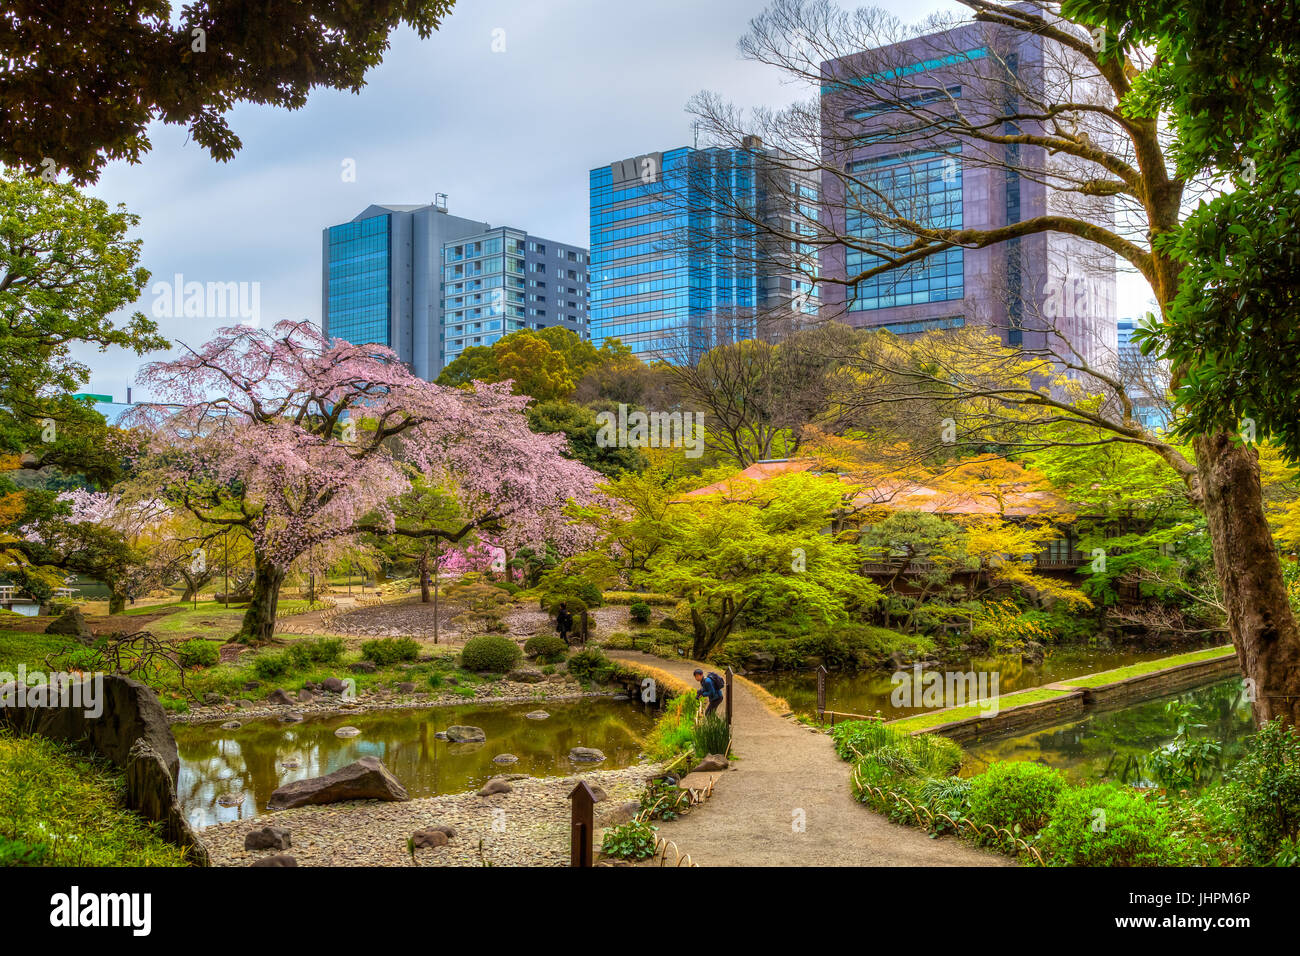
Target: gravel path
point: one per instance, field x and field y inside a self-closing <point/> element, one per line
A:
<point x="526" y="827"/>
<point x="788" y="773"/>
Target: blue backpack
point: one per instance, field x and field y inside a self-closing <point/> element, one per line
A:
<point x="719" y="684"/>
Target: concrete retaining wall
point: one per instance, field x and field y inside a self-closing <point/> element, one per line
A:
<point x="1012" y="721"/>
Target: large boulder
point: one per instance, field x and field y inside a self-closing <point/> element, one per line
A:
<point x="367" y="779"/>
<point x="526" y="675"/>
<point x="73" y="624"/>
<point x="150" y="792"/>
<point x="586" y="755"/>
<point x="459" y="734"/>
<point x="279" y="697"/>
<point x="114" y="712"/>
<point x="279" y="859"/>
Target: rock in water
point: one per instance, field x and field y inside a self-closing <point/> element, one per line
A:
<point x="505" y="758"/>
<point x="458" y="734"/>
<point x="347" y="732"/>
<point x="537" y="715"/>
<point x="367" y="779"/>
<point x="267" y="838"/>
<point x="586" y="755"/>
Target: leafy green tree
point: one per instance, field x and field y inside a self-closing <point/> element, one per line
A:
<point x="66" y="265"/>
<point x="760" y="549"/>
<point x="544" y="364"/>
<point x="81" y="91"/>
<point x="578" y="424"/>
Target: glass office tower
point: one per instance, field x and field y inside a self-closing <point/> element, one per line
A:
<point x="358" y="268"/>
<point x="678" y="260"/>
<point x="428" y="284"/>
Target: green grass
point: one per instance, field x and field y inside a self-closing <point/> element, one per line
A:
<point x="60" y="808"/>
<point x="21" y="647"/>
<point x="1148" y="667"/>
<point x="1006" y="702"/>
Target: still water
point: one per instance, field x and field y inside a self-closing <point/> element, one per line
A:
<point x="1111" y="745"/>
<point x="247" y="764"/>
<point x="868" y="692"/>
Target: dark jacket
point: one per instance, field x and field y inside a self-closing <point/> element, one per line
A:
<point x="708" y="690"/>
<point x="564" y="621"/>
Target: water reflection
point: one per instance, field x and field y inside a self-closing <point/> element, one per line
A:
<point x="1112" y="745"/>
<point x="247" y="764"/>
<point x="868" y="692"/>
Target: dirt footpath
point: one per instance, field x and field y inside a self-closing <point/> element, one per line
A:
<point x="787" y="774"/>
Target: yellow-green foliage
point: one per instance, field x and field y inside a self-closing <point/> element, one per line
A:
<point x="62" y="809"/>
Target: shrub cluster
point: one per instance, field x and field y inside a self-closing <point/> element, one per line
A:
<point x="492" y="653"/>
<point x="547" y="648"/>
<point x="845" y="646"/>
<point x="198" y="652"/>
<point x="385" y="651"/>
<point x="590" y="665"/>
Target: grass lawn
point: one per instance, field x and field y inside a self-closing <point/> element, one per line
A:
<point x="1148" y="667"/>
<point x="24" y="647"/>
<point x="1006" y="702"/>
<point x="60" y="808"/>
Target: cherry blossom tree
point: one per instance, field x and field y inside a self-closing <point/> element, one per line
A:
<point x="301" y="442"/>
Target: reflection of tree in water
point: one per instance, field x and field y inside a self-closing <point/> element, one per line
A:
<point x="1114" y="745"/>
<point x="248" y="759"/>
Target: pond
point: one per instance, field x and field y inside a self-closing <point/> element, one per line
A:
<point x="866" y="692"/>
<point x="1111" y="745"/>
<point x="247" y="764"/>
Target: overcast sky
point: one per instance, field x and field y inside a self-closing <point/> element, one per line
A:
<point x="509" y="136"/>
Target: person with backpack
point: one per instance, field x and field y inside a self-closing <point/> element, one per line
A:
<point x="712" y="687"/>
<point x="563" y="622"/>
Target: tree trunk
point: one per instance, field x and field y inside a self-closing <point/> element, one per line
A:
<point x="1260" y="620"/>
<point x="116" y="601"/>
<point x="424" y="576"/>
<point x="258" y="626"/>
<point x="435" y="606"/>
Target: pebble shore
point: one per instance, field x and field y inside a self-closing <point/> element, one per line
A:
<point x="499" y="692"/>
<point x="526" y="827"/>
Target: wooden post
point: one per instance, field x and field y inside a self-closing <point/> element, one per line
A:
<point x="584" y="627"/>
<point x="582" y="826"/>
<point x="731" y="686"/>
<point x="821" y="692"/>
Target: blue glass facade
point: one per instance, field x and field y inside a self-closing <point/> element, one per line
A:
<point x="670" y="259"/>
<point x="927" y="188"/>
<point x="360" y="271"/>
